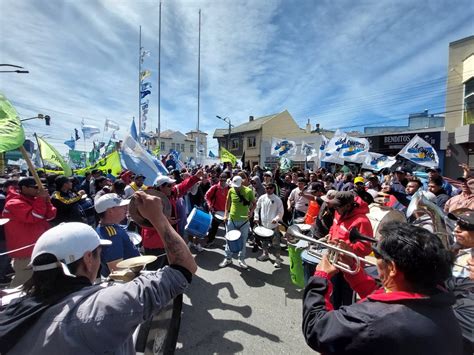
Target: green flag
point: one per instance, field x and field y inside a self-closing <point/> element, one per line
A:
<point x="12" y="135"/>
<point x="227" y="156"/>
<point x="51" y="155"/>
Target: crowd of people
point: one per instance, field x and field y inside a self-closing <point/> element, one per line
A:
<point x="416" y="295"/>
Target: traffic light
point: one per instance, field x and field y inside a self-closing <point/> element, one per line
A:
<point x="47" y="120"/>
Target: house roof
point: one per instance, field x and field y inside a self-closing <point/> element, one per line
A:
<point x="167" y="133"/>
<point x="254" y="125"/>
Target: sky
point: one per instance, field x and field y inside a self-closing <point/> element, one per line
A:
<point x="340" y="63"/>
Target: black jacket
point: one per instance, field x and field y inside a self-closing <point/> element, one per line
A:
<point x="384" y="323"/>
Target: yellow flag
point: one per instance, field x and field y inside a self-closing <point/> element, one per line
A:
<point x="51" y="155"/>
<point x="227" y="156"/>
<point x="111" y="161"/>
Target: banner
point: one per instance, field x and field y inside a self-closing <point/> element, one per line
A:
<point x="420" y="152"/>
<point x="227" y="157"/>
<point x="283" y="147"/>
<point x="89" y="131"/>
<point x="11" y="130"/>
<point x="111" y="161"/>
<point x="51" y="155"/>
<point x="111" y="125"/>
<point x="377" y="162"/>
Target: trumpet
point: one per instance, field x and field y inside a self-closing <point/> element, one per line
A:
<point x="335" y="252"/>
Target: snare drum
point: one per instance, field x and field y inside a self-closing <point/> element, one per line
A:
<point x="304" y="228"/>
<point x="265" y="234"/>
<point x="234" y="241"/>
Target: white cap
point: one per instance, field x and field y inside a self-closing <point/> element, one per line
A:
<point x="268" y="173"/>
<point x="236" y="181"/>
<point x="163" y="179"/>
<point x="329" y="195"/>
<point x="68" y="242"/>
<point x="107" y="201"/>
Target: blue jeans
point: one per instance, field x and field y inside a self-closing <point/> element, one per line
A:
<point x="243" y="226"/>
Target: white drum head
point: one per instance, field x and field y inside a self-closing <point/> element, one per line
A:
<point x="135" y="238"/>
<point x="219" y="215"/>
<point x="304" y="227"/>
<point x="136" y="261"/>
<point x="263" y="232"/>
<point x="3" y="221"/>
<point x="232" y="235"/>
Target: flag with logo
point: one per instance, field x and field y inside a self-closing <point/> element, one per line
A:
<point x="376" y="162"/>
<point x="330" y="154"/>
<point x="352" y="149"/>
<point x="283" y="147"/>
<point x="12" y="135"/>
<point x="227" y="157"/>
<point x="308" y="150"/>
<point x="420" y="152"/>
<point x="51" y="155"/>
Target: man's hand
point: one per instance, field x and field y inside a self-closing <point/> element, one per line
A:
<point x="81" y="192"/>
<point x="274" y="220"/>
<point x="150" y="207"/>
<point x="326" y="266"/>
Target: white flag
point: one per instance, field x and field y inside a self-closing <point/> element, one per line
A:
<point x="331" y="152"/>
<point x="377" y="162"/>
<point x="283" y="147"/>
<point x="420" y="152"/>
<point x="308" y="150"/>
<point x="353" y="149"/>
<point x="323" y="146"/>
<point x="89" y="131"/>
<point x="111" y="125"/>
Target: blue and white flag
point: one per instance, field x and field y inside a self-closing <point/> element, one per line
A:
<point x="323" y="146"/>
<point x="283" y="147"/>
<point x="352" y="149"/>
<point x="420" y="152"/>
<point x="146" y="86"/>
<point x="377" y="162"/>
<point x="111" y="125"/>
<point x="71" y="143"/>
<point x="177" y="158"/>
<point x="133" y="130"/>
<point x="88" y="131"/>
<point x="144" y="93"/>
<point x="331" y="152"/>
<point x="135" y="158"/>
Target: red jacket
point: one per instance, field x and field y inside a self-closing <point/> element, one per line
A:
<point x="356" y="218"/>
<point x="150" y="237"/>
<point x="29" y="218"/>
<point x="216" y="197"/>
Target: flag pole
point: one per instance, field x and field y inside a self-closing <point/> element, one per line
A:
<point x="32" y="168"/>
<point x="139" y="84"/>
<point x="199" y="90"/>
<point x="39" y="149"/>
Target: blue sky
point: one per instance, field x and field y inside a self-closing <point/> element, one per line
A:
<point x="341" y="63"/>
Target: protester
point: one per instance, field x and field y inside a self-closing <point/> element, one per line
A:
<point x="239" y="208"/>
<point x="296" y="200"/>
<point x="464" y="200"/>
<point x="66" y="201"/>
<point x="216" y="199"/>
<point x="136" y="185"/>
<point x="435" y="186"/>
<point x="359" y="189"/>
<point x="268" y="213"/>
<point x="410" y="314"/>
<point x="111" y="210"/>
<point x="30" y="211"/>
<point x="90" y="318"/>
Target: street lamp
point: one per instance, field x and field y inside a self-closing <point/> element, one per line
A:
<point x="40" y="116"/>
<point x="20" y="70"/>
<point x="226" y="119"/>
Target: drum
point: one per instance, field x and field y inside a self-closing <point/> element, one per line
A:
<point x="86" y="208"/>
<point x="309" y="264"/>
<point x="265" y="234"/>
<point x="380" y="215"/>
<point x="199" y="223"/>
<point x="219" y="215"/>
<point x="234" y="241"/>
<point x="135" y="238"/>
<point x="296" y="266"/>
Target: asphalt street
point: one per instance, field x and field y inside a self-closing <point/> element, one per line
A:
<point x="235" y="311"/>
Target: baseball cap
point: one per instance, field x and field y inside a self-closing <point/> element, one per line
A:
<point x="342" y="198"/>
<point x="464" y="219"/>
<point x="236" y="181"/>
<point x="107" y="201"/>
<point x="400" y="170"/>
<point x="359" y="179"/>
<point x="163" y="179"/>
<point x="68" y="242"/>
<point x="329" y="195"/>
<point x="27" y="182"/>
<point x="268" y="173"/>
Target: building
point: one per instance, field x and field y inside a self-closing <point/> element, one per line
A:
<point x="182" y="143"/>
<point x="460" y="105"/>
<point x="421" y="120"/>
<point x="255" y="136"/>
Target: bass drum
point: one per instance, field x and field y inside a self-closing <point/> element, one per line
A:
<point x="380" y="215"/>
<point x="159" y="334"/>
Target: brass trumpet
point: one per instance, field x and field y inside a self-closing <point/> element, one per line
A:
<point x="335" y="252"/>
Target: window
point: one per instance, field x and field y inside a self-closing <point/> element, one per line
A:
<point x="163" y="146"/>
<point x="173" y="146"/>
<point x="182" y="147"/>
<point x="191" y="148"/>
<point x="469" y="102"/>
<point x="251" y="142"/>
<point x="234" y="144"/>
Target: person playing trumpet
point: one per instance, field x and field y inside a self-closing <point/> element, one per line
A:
<point x="410" y="314"/>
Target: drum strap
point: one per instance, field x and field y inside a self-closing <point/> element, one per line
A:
<point x="247" y="221"/>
